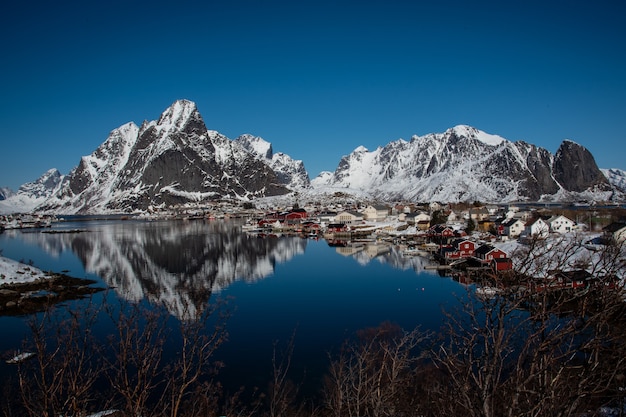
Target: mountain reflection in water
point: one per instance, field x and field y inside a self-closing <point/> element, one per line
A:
<point x="274" y="285"/>
<point x="180" y="264"/>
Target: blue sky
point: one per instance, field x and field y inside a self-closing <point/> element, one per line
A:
<point x="314" y="78"/>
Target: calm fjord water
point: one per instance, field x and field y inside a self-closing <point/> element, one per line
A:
<point x="275" y="286"/>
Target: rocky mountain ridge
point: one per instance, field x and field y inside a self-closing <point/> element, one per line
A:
<point x="176" y="160"/>
<point x="290" y="172"/>
<point x="172" y="161"/>
<point x="466" y="164"/>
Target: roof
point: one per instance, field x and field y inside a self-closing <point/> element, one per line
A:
<point x="510" y="222"/>
<point x="353" y="213"/>
<point x="559" y="216"/>
<point x="534" y="220"/>
<point x="484" y="249"/>
<point x="614" y="227"/>
<point x="458" y="241"/>
<point x="574" y="275"/>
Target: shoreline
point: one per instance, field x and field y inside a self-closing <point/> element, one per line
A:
<point x="25" y="289"/>
<point x="36" y="296"/>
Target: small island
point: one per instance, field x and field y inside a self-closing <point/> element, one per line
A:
<point x="25" y="289"/>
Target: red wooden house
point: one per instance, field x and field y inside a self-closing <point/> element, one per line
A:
<point x="487" y="253"/>
<point x="269" y="223"/>
<point x="441" y="230"/>
<point x="502" y="264"/>
<point x="459" y="248"/>
<point x="337" y="228"/>
<point x="296" y="214"/>
<point x="465" y="247"/>
<point x="559" y="280"/>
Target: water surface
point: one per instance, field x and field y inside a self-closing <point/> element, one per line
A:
<point x="275" y="286"/>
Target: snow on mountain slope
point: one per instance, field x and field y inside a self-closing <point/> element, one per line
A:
<point x="291" y="172"/>
<point x="466" y="164"/>
<point x="617" y="177"/>
<point x="176" y="160"/>
<point x="31" y="194"/>
<point x="167" y="162"/>
<point x="323" y="179"/>
<point x="486" y="138"/>
<point x="5" y="192"/>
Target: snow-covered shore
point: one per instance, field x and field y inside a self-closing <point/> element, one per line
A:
<point x="13" y="272"/>
<point x="25" y="289"/>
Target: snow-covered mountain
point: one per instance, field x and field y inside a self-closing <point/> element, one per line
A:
<point x="466" y="164"/>
<point x="5" y="192"/>
<point x="176" y="160"/>
<point x="171" y="161"/>
<point x="291" y="172"/>
<point x="617" y="177"/>
<point x="32" y="194"/>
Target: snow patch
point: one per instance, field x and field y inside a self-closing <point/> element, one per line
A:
<point x="13" y="272"/>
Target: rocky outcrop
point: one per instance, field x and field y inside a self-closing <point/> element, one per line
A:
<point x="576" y="170"/>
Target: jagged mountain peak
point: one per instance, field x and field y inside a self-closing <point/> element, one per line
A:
<point x="256" y="145"/>
<point x="44" y="185"/>
<point x="171" y="161"/>
<point x="617" y="177"/>
<point x="290" y="172"/>
<point x="472" y="132"/>
<point x="576" y="169"/>
<point x="31" y="194"/>
<point x="176" y="115"/>
<point x="176" y="159"/>
<point x="568" y="145"/>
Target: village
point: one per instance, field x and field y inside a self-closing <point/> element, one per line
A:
<point x="474" y="244"/>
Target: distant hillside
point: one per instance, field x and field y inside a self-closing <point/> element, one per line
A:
<point x="466" y="164"/>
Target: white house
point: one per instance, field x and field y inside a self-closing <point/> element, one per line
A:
<point x="513" y="227"/>
<point x="376" y="213"/>
<point x="452" y="217"/>
<point x="414" y="218"/>
<point x="327" y="216"/>
<point x="536" y="227"/>
<point x="433" y="206"/>
<point x="561" y="224"/>
<point x="349" y="217"/>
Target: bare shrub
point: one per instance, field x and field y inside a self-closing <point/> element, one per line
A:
<point x="370" y="377"/>
<point x="536" y="348"/>
<point x="66" y="365"/>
